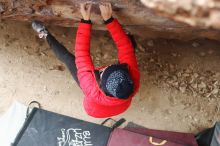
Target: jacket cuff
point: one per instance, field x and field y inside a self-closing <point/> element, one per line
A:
<point x="112" y="25"/>
<point x="86" y="21"/>
<point x="109" y="20"/>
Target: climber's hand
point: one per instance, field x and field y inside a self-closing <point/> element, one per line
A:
<point x="106" y="10"/>
<point x="85" y="9"/>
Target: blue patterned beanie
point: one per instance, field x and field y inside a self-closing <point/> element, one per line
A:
<point x="116" y="82"/>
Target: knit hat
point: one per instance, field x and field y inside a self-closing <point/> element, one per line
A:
<point x="116" y="81"/>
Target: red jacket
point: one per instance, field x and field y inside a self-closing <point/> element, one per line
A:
<point x="96" y="103"/>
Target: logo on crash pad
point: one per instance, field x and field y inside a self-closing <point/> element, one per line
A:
<point x="74" y="137"/>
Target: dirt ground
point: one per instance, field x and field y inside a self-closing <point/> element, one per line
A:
<point x="180" y="81"/>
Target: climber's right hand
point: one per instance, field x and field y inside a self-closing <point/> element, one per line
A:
<point x="106" y="10"/>
<point x="85" y="9"/>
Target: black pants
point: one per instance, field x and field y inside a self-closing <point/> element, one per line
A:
<point x="66" y="57"/>
<point x="63" y="55"/>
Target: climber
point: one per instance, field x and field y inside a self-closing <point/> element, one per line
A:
<point x="108" y="90"/>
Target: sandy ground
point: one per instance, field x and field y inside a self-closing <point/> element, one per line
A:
<point x="179" y="80"/>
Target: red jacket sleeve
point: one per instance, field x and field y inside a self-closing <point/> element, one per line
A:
<point x="126" y="52"/>
<point x="82" y="48"/>
<point x="84" y="64"/>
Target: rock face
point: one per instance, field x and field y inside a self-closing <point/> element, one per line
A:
<point x="203" y="13"/>
<point x="133" y="15"/>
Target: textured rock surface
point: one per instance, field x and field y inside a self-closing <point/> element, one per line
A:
<point x="204" y="13"/>
<point x="136" y="18"/>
